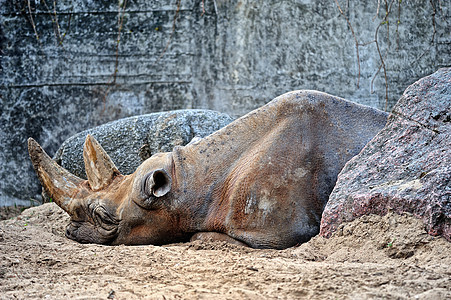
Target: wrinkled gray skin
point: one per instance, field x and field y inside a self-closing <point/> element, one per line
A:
<point x="261" y="181"/>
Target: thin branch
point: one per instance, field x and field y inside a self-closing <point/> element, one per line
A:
<point x="385" y="21"/>
<point x="377" y="11"/>
<point x="355" y="39"/>
<point x="203" y="7"/>
<point x="434" y="11"/>
<point x="216" y="7"/>
<point x="56" y="26"/>
<point x="68" y="28"/>
<point x="377" y="72"/>
<point x="433" y="33"/>
<point x="374" y="77"/>
<point x="32" y="21"/>
<point x="383" y="65"/>
<point x="173" y="30"/>
<point x="397" y="25"/>
<point x="387" y="12"/>
<point x="120" y="22"/>
<point x="367" y="43"/>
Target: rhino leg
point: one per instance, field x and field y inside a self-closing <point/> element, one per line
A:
<point x="216" y="236"/>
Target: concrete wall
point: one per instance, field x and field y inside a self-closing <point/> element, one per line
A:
<point x="233" y="58"/>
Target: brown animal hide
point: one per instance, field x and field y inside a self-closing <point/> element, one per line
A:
<point x="263" y="180"/>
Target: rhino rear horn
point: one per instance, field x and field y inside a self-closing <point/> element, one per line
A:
<point x="62" y="186"/>
<point x="99" y="167"/>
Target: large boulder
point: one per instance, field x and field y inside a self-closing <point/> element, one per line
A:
<point x="406" y="167"/>
<point x="131" y="140"/>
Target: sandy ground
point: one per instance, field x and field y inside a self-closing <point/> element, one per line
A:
<point x="374" y="257"/>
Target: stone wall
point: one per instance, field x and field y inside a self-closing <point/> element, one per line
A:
<point x="57" y="64"/>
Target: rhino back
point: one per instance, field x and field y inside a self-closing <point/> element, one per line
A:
<point x="265" y="178"/>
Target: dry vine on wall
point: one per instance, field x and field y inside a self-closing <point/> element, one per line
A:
<point x="389" y="7"/>
<point x="28" y="10"/>
<point x="385" y="7"/>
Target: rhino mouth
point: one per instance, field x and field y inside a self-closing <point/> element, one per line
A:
<point x="71" y="231"/>
<point x="87" y="233"/>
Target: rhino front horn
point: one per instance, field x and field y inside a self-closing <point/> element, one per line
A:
<point x="60" y="184"/>
<point x="99" y="167"/>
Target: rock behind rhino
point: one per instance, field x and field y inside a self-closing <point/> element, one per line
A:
<point x="263" y="180"/>
<point x="406" y="168"/>
<point x="132" y="140"/>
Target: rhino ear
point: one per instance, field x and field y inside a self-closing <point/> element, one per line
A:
<point x="157" y="183"/>
<point x="99" y="167"/>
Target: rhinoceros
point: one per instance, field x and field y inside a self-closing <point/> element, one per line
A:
<point x="261" y="181"/>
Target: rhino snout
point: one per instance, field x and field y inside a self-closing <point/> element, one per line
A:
<point x="84" y="232"/>
<point x="71" y="231"/>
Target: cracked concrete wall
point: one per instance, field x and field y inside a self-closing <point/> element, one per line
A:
<point x="236" y="56"/>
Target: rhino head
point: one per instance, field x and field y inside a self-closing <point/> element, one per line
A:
<point x="111" y="208"/>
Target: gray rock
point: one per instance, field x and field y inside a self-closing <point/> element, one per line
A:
<point x="131" y="140"/>
<point x="406" y="167"/>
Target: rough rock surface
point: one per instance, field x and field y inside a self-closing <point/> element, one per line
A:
<point x="131" y="140"/>
<point x="406" y="167"/>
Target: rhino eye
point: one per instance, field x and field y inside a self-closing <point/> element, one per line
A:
<point x="102" y="217"/>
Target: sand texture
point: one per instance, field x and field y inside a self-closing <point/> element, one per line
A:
<point x="373" y="257"/>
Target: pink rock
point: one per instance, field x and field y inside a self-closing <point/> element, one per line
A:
<point x="406" y="167"/>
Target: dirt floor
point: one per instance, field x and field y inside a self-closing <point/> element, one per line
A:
<point x="373" y="257"/>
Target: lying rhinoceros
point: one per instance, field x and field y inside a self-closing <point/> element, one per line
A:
<point x="262" y="181"/>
